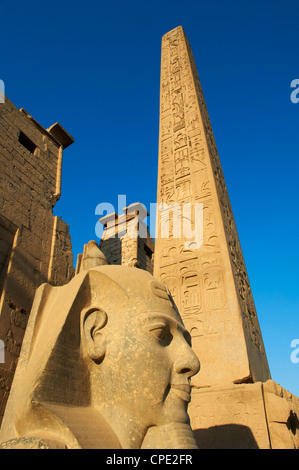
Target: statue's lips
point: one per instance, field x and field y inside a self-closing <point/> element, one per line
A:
<point x="182" y="391"/>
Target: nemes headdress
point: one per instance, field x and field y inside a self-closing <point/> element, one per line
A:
<point x="51" y="387"/>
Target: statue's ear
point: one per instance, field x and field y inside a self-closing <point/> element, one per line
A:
<point x="94" y="321"/>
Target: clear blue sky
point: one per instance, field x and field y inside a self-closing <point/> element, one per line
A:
<point x="94" y="66"/>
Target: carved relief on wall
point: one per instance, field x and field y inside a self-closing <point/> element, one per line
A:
<point x="177" y="102"/>
<point x="182" y="165"/>
<point x="167" y="175"/>
<point x="183" y="189"/>
<point x="197" y="330"/>
<point x="166" y="129"/>
<point x="192" y="122"/>
<point x="166" y="147"/>
<point x="191" y="301"/>
<point x="212" y="244"/>
<point x="208" y="219"/>
<point x="169" y="254"/>
<point x="172" y="283"/>
<point x="180" y="140"/>
<point x="176" y="83"/>
<point x="202" y="184"/>
<point x="198" y="158"/>
<point x="207" y="324"/>
<point x="175" y="65"/>
<point x="168" y="193"/>
<point x="166" y="159"/>
<point x="173" y="42"/>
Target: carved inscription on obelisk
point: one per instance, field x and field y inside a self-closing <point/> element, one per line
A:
<point x="210" y="283"/>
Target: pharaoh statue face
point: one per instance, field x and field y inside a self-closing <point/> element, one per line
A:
<point x="105" y="355"/>
<point x="143" y="360"/>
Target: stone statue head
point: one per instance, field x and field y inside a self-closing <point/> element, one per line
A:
<point x="106" y="362"/>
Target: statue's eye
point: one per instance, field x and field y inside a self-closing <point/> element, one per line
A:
<point x="159" y="332"/>
<point x="162" y="333"/>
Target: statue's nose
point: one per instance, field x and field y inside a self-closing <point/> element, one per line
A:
<point x="186" y="362"/>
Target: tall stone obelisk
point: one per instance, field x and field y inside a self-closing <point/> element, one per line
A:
<point x="209" y="283"/>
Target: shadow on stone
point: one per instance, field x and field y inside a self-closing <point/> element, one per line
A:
<point x="228" y="436"/>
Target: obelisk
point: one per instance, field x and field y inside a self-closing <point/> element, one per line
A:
<point x="209" y="283"/>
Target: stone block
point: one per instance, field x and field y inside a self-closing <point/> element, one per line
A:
<point x="245" y="416"/>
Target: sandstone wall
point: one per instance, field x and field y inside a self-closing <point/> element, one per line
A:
<point x="35" y="246"/>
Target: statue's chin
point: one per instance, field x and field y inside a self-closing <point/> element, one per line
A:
<point x="170" y="436"/>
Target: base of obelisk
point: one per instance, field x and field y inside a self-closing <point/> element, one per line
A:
<point x="245" y="416"/>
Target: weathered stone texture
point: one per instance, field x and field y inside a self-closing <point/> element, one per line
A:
<point x="209" y="283"/>
<point x="35" y="246"/>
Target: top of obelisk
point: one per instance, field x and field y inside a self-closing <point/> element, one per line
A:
<point x="172" y="31"/>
